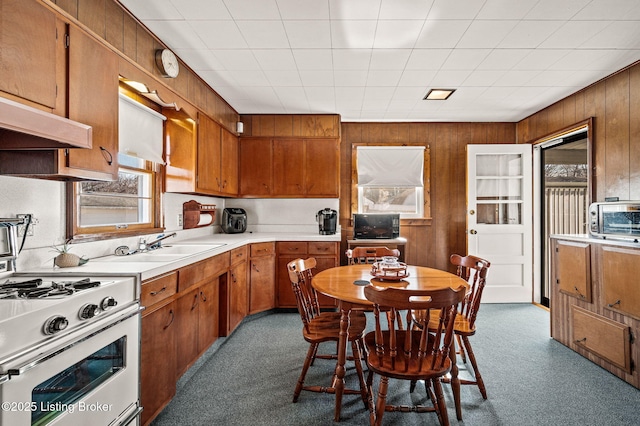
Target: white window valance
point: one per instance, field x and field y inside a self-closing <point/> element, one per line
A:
<point x="140" y="130"/>
<point x="390" y="166"/>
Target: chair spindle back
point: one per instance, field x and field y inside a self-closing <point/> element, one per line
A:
<point x="300" y="275"/>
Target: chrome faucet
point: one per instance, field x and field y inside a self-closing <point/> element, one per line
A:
<point x="155" y="244"/>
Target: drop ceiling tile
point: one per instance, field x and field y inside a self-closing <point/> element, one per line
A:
<point x="351" y="59"/>
<point x="529" y="34"/>
<point x="389" y="59"/>
<point x="572" y="34"/>
<point x="283" y="77"/>
<point x="607" y="9"/>
<point x="249" y="9"/>
<point x="405" y="9"/>
<point x="483" y="78"/>
<point x="308" y="34"/>
<point x="157" y="10"/>
<point x="618" y="34"/>
<point x="219" y="34"/>
<point x="450" y="79"/>
<point x="383" y="78"/>
<point x="181" y="34"/>
<point x="378" y="93"/>
<point x="303" y="9"/>
<point x="505" y="9"/>
<point x="264" y="34"/>
<point x="350" y="78"/>
<point x="409" y="93"/>
<point x="316" y="78"/>
<point x="503" y="59"/>
<point x="577" y="60"/>
<point x="427" y="59"/>
<point x="313" y="59"/>
<point x="397" y="34"/>
<point x="516" y="78"/>
<point x="352" y="34"/>
<point x="549" y="78"/>
<point x="556" y="10"/>
<point x="275" y="59"/>
<point x="540" y="59"/>
<point x="199" y="59"/>
<point x="250" y="78"/>
<point x="465" y="59"/>
<point x="221" y="78"/>
<point x="201" y="9"/>
<point x="354" y="9"/>
<point x="460" y="9"/>
<point x="486" y="34"/>
<point x="442" y="33"/>
<point x="324" y="94"/>
<point x="237" y="59"/>
<point x="417" y="77"/>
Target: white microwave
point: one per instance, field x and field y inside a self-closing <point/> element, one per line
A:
<point x="619" y="219"/>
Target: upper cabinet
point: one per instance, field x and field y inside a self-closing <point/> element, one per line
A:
<point x="217" y="159"/>
<point x="290" y="167"/>
<point x="180" y="151"/>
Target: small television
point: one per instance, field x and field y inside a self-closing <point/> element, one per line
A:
<point x="376" y="226"/>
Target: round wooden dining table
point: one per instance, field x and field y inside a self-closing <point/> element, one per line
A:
<point x="346" y="285"/>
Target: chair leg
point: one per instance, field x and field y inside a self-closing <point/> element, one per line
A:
<point x="461" y="350"/>
<point x="355" y="347"/>
<point x="307" y="363"/>
<point x="440" y="406"/>
<point x="372" y="409"/>
<point x="474" y="365"/>
<point x="455" y="381"/>
<point x="382" y="399"/>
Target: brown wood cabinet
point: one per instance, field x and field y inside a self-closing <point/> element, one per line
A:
<point x="180" y="152"/>
<point x="261" y="277"/>
<point x="326" y="255"/>
<point x="91" y="80"/>
<point x="217" y="159"/>
<point x="289" y="167"/>
<point x="158" y="345"/>
<point x="595" y="305"/>
<point x="234" y="296"/>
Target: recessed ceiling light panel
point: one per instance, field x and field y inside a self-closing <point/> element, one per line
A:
<point x="439" y="94"/>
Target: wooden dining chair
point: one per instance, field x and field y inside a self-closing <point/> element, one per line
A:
<point x="474" y="270"/>
<point x="369" y="254"/>
<point x="319" y="327"/>
<point x="410" y="354"/>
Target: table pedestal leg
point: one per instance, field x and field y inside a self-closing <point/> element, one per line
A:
<point x="342" y="359"/>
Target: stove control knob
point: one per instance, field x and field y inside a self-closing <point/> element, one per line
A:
<point x="108" y="302"/>
<point x="55" y="324"/>
<point x="89" y="311"/>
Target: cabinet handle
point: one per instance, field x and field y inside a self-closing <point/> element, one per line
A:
<point x="294" y="248"/>
<point x="203" y="297"/>
<point x="195" y="302"/>
<point x="583" y="340"/>
<point x="107" y="155"/>
<point x="154" y="293"/>
<point x="233" y="278"/>
<point x="582" y="296"/>
<point x="170" y="321"/>
<point x="611" y="305"/>
<point x="255" y="267"/>
<point x="218" y="183"/>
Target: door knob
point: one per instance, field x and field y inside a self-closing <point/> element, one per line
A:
<point x="473" y="232"/>
<point x="472" y="212"/>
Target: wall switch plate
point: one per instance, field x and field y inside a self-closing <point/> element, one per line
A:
<point x="21" y="228"/>
<point x="179" y="219"/>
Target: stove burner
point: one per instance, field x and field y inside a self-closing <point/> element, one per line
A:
<point x="34" y="289"/>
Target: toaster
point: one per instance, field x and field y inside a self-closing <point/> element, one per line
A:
<point x="234" y="220"/>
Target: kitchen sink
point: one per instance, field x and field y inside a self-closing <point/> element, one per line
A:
<point x="142" y="257"/>
<point x="182" y="249"/>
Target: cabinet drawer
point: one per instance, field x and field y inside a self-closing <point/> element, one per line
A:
<point x="262" y="249"/>
<point x="292" y="247"/>
<point x="204" y="270"/>
<point x="318" y="247"/>
<point x="605" y="338"/>
<point x="158" y="289"/>
<point x="239" y="254"/>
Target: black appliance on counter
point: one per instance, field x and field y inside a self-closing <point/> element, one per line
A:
<point x="376" y="226"/>
<point x="327" y="221"/>
<point x="234" y="220"/>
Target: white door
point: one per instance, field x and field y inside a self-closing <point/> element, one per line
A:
<point x="499" y="218"/>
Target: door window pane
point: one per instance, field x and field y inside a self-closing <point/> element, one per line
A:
<point x="498" y="165"/>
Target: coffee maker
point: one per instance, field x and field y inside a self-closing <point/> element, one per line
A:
<point x="327" y="220"/>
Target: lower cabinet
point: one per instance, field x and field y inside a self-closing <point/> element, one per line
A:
<point x="262" y="277"/>
<point x="326" y="255"/>
<point x="595" y="307"/>
<point x="234" y="292"/>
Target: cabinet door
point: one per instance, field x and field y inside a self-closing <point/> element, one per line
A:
<point x="573" y="269"/>
<point x="288" y="170"/>
<point x="229" y="163"/>
<point x="208" y="171"/>
<point x="262" y="275"/>
<point x="322" y="168"/>
<point x="187" y="330"/>
<point x="93" y="100"/>
<point x="208" y="320"/>
<point x="238" y="295"/>
<point x="180" y="148"/>
<point x="29" y="51"/>
<point x="286" y="297"/>
<point x="157" y="360"/>
<point x="255" y="166"/>
<point x="620" y="272"/>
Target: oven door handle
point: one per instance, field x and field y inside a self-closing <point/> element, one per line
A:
<point x="37" y="361"/>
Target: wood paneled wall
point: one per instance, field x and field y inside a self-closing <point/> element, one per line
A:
<point x="614" y="104"/>
<point x="111" y="22"/>
<point x="291" y="125"/>
<point x="429" y="243"/>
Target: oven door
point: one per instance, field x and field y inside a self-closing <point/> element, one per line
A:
<point x="91" y="381"/>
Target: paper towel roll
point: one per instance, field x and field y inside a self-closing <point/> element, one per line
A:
<point x="205" y="219"/>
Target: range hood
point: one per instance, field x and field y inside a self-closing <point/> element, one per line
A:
<point x="28" y="128"/>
